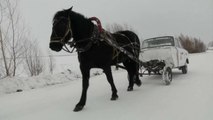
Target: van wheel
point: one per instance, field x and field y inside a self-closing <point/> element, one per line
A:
<point x="167" y="76"/>
<point x="184" y="69"/>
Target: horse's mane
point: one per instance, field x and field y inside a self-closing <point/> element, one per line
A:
<point x="79" y="22"/>
<point x="66" y="12"/>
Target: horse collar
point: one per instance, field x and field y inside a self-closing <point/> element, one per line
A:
<point x="94" y="39"/>
<point x="98" y="23"/>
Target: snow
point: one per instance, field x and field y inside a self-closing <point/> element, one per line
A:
<point x="210" y="48"/>
<point x="11" y="85"/>
<point x="164" y="53"/>
<point x="189" y="97"/>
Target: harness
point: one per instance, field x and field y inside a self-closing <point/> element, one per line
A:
<point x="61" y="40"/>
<point x="98" y="34"/>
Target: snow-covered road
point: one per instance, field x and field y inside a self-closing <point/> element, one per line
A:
<point x="189" y="97"/>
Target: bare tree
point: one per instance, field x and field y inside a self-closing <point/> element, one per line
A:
<point x="11" y="11"/>
<point x="17" y="34"/>
<point x="51" y="63"/>
<point x="33" y="60"/>
<point x="192" y="45"/>
<point x="118" y="27"/>
<point x="2" y="39"/>
<point x="11" y="36"/>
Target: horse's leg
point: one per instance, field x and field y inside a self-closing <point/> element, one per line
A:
<point x="130" y="70"/>
<point x="137" y="80"/>
<point x="131" y="81"/>
<point x="85" y="85"/>
<point x="108" y="73"/>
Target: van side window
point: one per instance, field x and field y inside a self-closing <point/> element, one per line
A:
<point x="177" y="43"/>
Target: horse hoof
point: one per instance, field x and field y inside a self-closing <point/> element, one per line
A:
<point x="78" y="108"/>
<point x="114" y="98"/>
<point x="130" y="89"/>
<point x="138" y="83"/>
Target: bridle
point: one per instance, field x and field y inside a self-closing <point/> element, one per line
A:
<point x="61" y="40"/>
<point x="95" y="34"/>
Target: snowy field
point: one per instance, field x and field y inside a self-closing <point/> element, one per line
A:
<point x="189" y="97"/>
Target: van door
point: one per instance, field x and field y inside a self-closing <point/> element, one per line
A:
<point x="182" y="54"/>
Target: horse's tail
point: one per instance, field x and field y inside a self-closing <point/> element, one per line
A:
<point x="135" y="50"/>
<point x="134" y="40"/>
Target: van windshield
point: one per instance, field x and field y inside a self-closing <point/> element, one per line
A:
<point x="158" y="42"/>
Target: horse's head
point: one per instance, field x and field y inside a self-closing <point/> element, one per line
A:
<point x="61" y="30"/>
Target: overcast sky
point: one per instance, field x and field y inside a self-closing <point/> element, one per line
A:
<point x="149" y="18"/>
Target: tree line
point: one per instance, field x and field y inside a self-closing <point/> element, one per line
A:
<point x="192" y="44"/>
<point x="16" y="43"/>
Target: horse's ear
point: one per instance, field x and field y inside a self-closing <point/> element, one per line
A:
<point x="71" y="8"/>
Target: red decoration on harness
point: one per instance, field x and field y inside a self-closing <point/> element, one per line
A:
<point x="98" y="23"/>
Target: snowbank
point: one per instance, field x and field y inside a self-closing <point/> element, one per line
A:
<point x="18" y="84"/>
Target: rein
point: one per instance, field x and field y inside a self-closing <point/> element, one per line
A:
<point x="61" y="40"/>
<point x="95" y="35"/>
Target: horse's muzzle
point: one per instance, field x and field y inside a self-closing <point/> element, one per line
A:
<point x="56" y="46"/>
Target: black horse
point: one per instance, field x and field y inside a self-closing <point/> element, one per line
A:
<point x="93" y="50"/>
